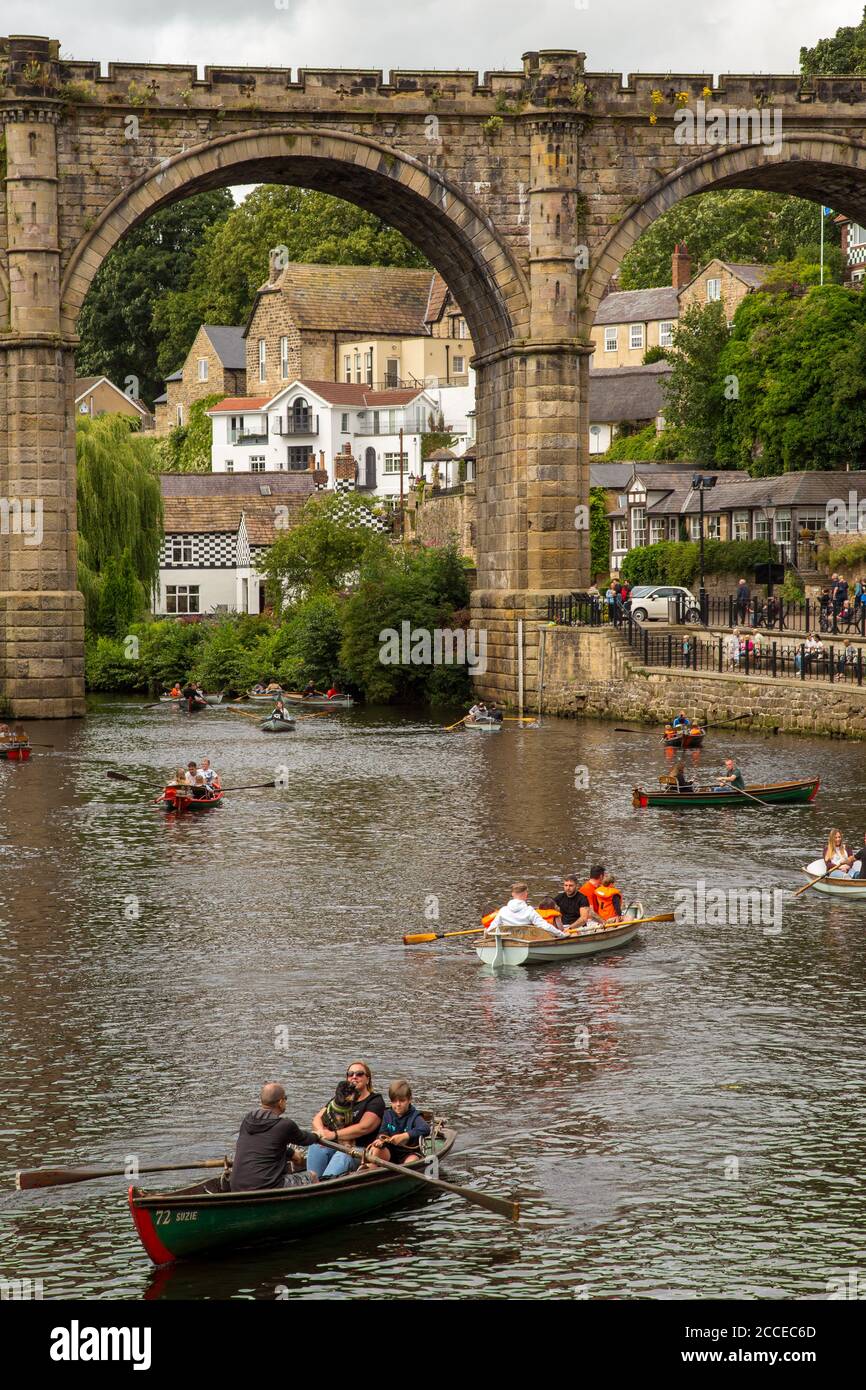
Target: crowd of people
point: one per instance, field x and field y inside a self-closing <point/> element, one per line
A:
<point x="579" y="907"/>
<point x="199" y="781"/>
<point x="13" y="738"/>
<point x="356" y="1119"/>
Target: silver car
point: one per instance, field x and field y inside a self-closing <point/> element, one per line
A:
<point x="652" y="600"/>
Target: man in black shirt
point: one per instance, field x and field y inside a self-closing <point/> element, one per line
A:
<point x="262" y="1152"/>
<point x="573" y="905"/>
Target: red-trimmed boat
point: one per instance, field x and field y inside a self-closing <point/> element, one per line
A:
<point x="692" y="737"/>
<point x="206" y="1218"/>
<point x="669" y="797"/>
<point x="180" y="805"/>
<point x="15" y="752"/>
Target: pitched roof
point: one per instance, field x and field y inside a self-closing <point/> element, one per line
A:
<point x="228" y="344"/>
<point x="260" y="521"/>
<point x="751" y="273"/>
<point x="207" y="503"/>
<point x="85" y="384"/>
<point x="281" y="482"/>
<point x="238" y="403"/>
<point x="334" y="392"/>
<point x="638" y="306"/>
<point x="175" y="376"/>
<point x="437" y="299"/>
<point x="353" y="299"/>
<point x="627" y="393"/>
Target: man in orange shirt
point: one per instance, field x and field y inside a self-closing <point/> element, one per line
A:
<point x="588" y="889"/>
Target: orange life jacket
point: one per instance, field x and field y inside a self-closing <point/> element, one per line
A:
<point x="606" y="895"/>
<point x="590" y="891"/>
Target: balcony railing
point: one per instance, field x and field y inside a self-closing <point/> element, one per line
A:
<point x="370" y="427"/>
<point x="296" y="424"/>
<point x="238" y="438"/>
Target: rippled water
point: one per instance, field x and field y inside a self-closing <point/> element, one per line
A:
<point x="706" y="1144"/>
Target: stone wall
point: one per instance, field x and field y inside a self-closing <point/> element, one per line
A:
<point x="220" y="382"/>
<point x="591" y="672"/>
<point x="442" y="520"/>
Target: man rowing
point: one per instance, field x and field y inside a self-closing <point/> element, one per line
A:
<point x="279" y="711"/>
<point x="682" y="721"/>
<point x="518" y="915"/>
<point x="264" y="1149"/>
<point x="732" y="777"/>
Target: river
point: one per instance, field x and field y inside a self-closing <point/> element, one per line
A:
<point x="679" y="1119"/>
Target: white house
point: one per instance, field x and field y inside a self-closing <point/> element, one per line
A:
<point x="307" y="423"/>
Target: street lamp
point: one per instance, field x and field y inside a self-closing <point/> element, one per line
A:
<point x="769" y="509"/>
<point x="701" y="483"/>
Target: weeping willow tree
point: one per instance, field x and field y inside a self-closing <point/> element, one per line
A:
<point x="120" y="521"/>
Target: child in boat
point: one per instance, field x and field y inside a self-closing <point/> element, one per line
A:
<point x="200" y="790"/>
<point x="402" y="1126"/>
<point x="175" y="691"/>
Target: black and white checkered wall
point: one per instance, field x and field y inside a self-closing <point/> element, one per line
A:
<point x="210" y="550"/>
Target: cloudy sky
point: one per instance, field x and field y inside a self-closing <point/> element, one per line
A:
<point x="616" y="35"/>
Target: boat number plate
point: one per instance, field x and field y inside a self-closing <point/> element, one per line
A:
<point x="164" y="1218"/>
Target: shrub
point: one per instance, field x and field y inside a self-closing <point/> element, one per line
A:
<point x="678" y="562"/>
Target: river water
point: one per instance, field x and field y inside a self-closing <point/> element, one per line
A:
<point x="681" y="1118"/>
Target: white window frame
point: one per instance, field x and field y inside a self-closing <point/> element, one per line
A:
<point x="263" y="360"/>
<point x="368" y="366"/>
<point x="620" y="536"/>
<point x="344" y="423"/>
<point x="714" y="528"/>
<point x="230" y="465"/>
<point x="181" y="550"/>
<point x="610" y="338"/>
<point x="636" y="337"/>
<point x="391" y="463"/>
<point x="666" y="333"/>
<point x="186" y="598"/>
<point x="347" y="362"/>
<point x="203" y="368"/>
<point x="714" y="290"/>
<point x="740" y="525"/>
<point x="695" y="527"/>
<point x="657" y="529"/>
<point x="459" y="366"/>
<point x="284" y="357"/>
<point x="257" y="463"/>
<point x="357" y="368"/>
<point x="761" y="528"/>
<point x="638" y="526"/>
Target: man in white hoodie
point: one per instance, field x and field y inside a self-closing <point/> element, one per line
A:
<point x="518" y="914"/>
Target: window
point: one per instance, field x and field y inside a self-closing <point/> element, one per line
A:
<point x="180" y="414"/>
<point x="657" y="530"/>
<point x="347" y="367"/>
<point x="666" y="334"/>
<point x="284" y="358"/>
<point x="740" y="526"/>
<point x="459" y="367"/>
<point x="263" y="370"/>
<point x="694" y="528"/>
<point x="638" y="525"/>
<point x="181" y="550"/>
<point x="811" y="521"/>
<point x="782" y="528"/>
<point x="610" y="339"/>
<point x="257" y="463"/>
<point x="762" y="528"/>
<point x="392" y="371"/>
<point x="856" y="235"/>
<point x="344" y="422"/>
<point x="181" y="598"/>
<point x="620" y="536"/>
<point x="202" y="369"/>
<point x="392" y="463"/>
<point x="857" y="277"/>
<point x="714" y="291"/>
<point x="368" y="366"/>
<point x="357" y="369"/>
<point x="230" y="465"/>
<point x="462" y="331"/>
<point x="635" y="335"/>
<point x="298" y="458"/>
<point x="713" y="525"/>
<point x="673" y="528"/>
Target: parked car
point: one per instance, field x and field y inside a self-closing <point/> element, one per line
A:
<point x="651" y="601"/>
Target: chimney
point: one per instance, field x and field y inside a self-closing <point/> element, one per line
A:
<point x="345" y="468"/>
<point x="681" y="266"/>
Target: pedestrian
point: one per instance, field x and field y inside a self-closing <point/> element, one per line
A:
<point x="743" y="596"/>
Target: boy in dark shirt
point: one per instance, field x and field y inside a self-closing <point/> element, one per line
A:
<point x="402" y="1126"/>
<point x="572" y="904"/>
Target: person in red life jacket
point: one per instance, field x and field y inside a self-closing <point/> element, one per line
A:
<point x="590" y="890"/>
<point x="332" y="692"/>
<point x="609" y="900"/>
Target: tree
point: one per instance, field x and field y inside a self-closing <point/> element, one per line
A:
<point x="187" y="448"/>
<point x="118" y="336"/>
<point x="599" y="532"/>
<point x="694" y="391"/>
<point x="232" y="260"/>
<point x="735" y="225"/>
<point x="837" y="57"/>
<point x="322" y="552"/>
<point x="119" y="506"/>
<point x="121" y="597"/>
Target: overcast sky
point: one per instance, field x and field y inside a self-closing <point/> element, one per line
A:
<point x="616" y="35"/>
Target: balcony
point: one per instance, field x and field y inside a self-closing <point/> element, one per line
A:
<point x="235" y="437"/>
<point x="296" y="424"/>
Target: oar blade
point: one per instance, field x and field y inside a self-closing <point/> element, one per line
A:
<point x="418" y="938"/>
<point x="55" y="1177"/>
<point x="502" y="1206"/>
<point x="119" y="776"/>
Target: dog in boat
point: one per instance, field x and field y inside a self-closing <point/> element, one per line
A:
<point x="339" y="1111"/>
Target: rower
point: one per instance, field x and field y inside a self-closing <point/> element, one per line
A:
<point x="478" y="711"/>
<point x="310" y="689"/>
<point x="333" y="692"/>
<point x="191" y="773"/>
<point x="858" y="862"/>
<point x="20" y="737"/>
<point x="682" y="722"/>
<point x="495" y="714"/>
<point x="264" y="1150"/>
<point x="274" y="688"/>
<point x="609" y="900"/>
<point x="175" y="691"/>
<point x="518" y="915"/>
<point x="279" y="711"/>
<point x="573" y="906"/>
<point x="732" y="777"/>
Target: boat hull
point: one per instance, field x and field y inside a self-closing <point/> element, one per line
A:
<point x="188" y="805"/>
<point x="854" y="889"/>
<point x="506" y="950"/>
<point x="277" y="726"/>
<point x="17" y="754"/>
<point x="269" y="699"/>
<point x="201" y="1221"/>
<point x="483" y="726"/>
<point x="770" y="794"/>
<point x="182" y="699"/>
<point x="320" y="701"/>
<point x="684" y="741"/>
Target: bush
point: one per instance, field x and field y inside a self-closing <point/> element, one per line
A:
<point x="107" y="667"/>
<point x="678" y="562"/>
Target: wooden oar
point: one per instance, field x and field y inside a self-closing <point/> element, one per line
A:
<point x="503" y="1206"/>
<point x="251" y="787"/>
<point x="629" y="731"/>
<point x="247" y="714"/>
<point x="749" y="795"/>
<point x="810" y="884"/>
<point x="417" y="938"/>
<point x="457" y="725"/>
<point x="59" y="1177"/>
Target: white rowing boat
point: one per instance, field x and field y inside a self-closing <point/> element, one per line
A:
<point x="501" y="949"/>
<point x="483" y="726"/>
<point x="852" y="888"/>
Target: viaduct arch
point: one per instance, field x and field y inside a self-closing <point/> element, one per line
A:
<point x="523" y="188"/>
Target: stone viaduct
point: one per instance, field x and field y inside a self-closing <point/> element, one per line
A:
<point x="523" y="188"/>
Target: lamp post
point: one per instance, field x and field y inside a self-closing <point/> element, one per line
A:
<point x="769" y="511"/>
<point x="701" y="483"/>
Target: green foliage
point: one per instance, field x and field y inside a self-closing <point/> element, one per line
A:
<point x="231" y="259"/>
<point x="694" y="391"/>
<point x="432" y="440"/>
<point x="119" y="513"/>
<point x="654" y="354"/>
<point x="792" y="590"/>
<point x="647" y="446"/>
<point x="121" y="597"/>
<point x="849" y="556"/>
<point x="678" y="562"/>
<point x="107" y="667"/>
<point x="599" y="532"/>
<point x="844" y="53"/>
<point x="187" y="448"/>
<point x="735" y="225"/>
<point x="321" y="553"/>
<point x="118" y="336"/>
<point x="314" y="635"/>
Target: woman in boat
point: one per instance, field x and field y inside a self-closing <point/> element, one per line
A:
<point x="837" y="856"/>
<point x="5" y="733"/>
<point x="19" y="736"/>
<point x="682" y="782"/>
<point x="367" y="1113"/>
<point x="211" y="778"/>
<point x="273" y="688"/>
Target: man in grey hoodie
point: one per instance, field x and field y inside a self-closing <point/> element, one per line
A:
<point x="518" y="914"/>
<point x="263" y="1151"/>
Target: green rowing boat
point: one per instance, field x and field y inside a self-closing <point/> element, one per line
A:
<point x="765" y="794"/>
<point x="203" y="1219"/>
